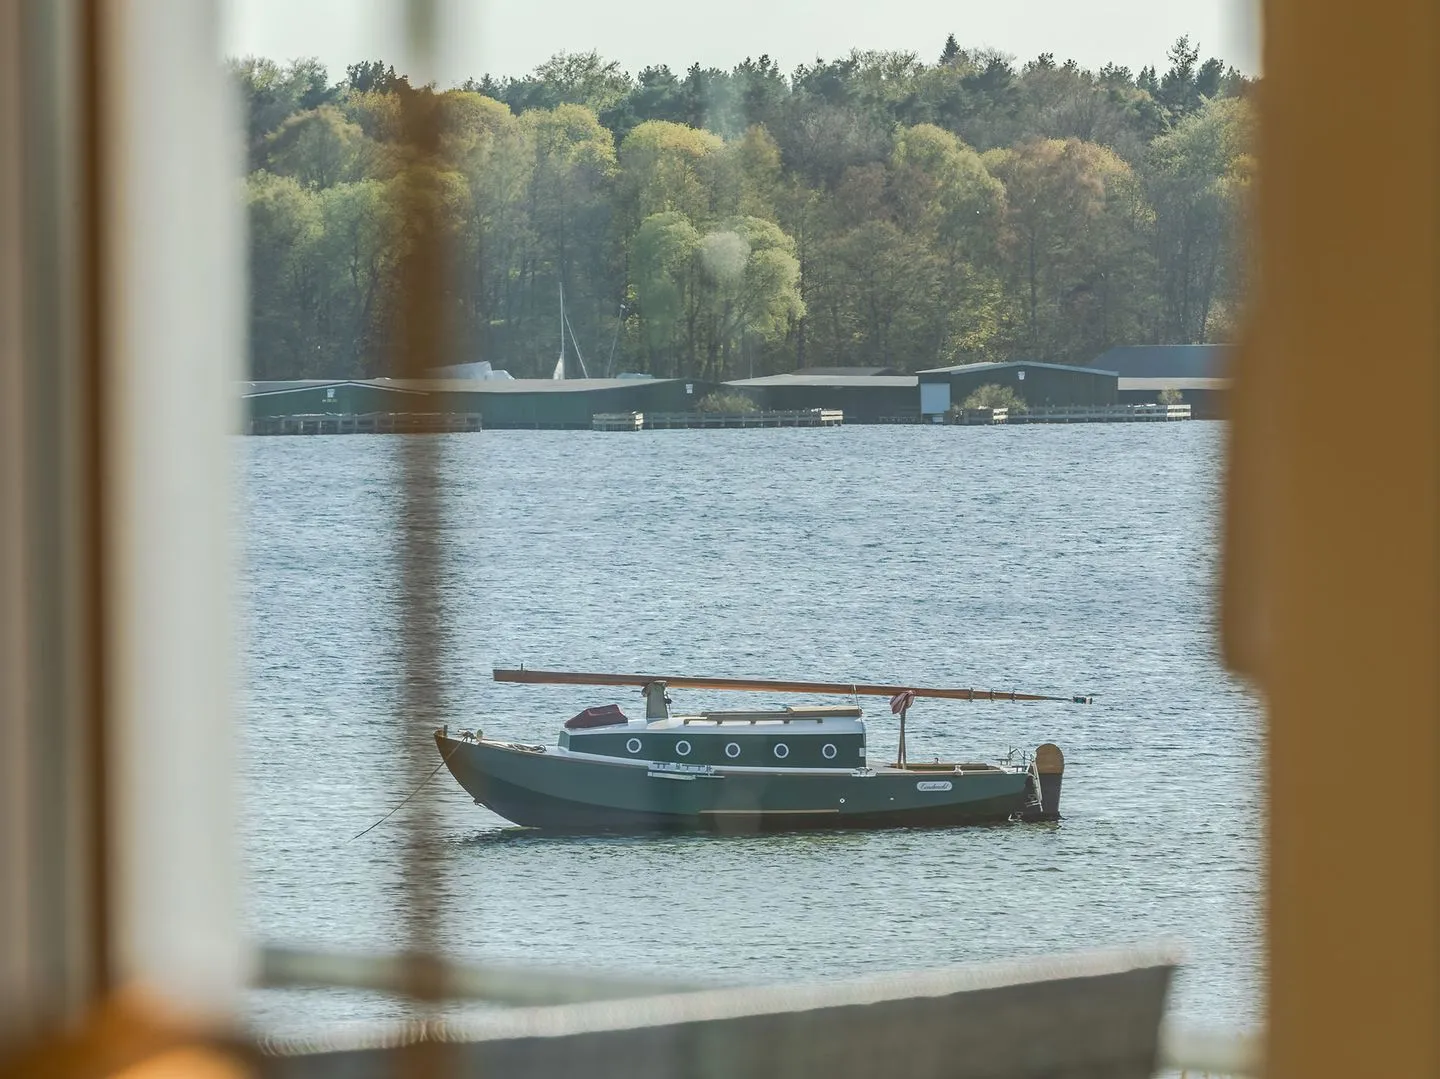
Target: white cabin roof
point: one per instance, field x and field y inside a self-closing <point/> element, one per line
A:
<point x="798" y="721"/>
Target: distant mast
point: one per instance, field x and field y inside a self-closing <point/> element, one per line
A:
<point x="560" y="363"/>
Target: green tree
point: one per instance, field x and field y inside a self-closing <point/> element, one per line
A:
<point x="663" y="268"/>
<point x="657" y="95"/>
<point x="1076" y="230"/>
<point x="726" y="401"/>
<point x="1197" y="178"/>
<point x="945" y="198"/>
<point x="374" y="76"/>
<point x="869" y="209"/>
<point x="284" y="222"/>
<point x="663" y="169"/>
<point x="1178" y="91"/>
<point x="569" y="218"/>
<point x="744" y="176"/>
<point x="272" y="93"/>
<point x="760" y="90"/>
<point x="497" y="159"/>
<point x="357" y="244"/>
<point x="583" y="78"/>
<point x="375" y="112"/>
<point x="941" y="186"/>
<point x="320" y="148"/>
<point x="881" y="285"/>
<point x="752" y="293"/>
<point x="993" y="395"/>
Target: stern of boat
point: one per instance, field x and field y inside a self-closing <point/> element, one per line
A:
<point x="1047" y="772"/>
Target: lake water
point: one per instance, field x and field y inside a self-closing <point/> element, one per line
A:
<point x="1065" y="559"/>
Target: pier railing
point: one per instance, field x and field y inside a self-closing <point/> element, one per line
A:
<point x="1146" y="413"/>
<point x="1101" y="414"/>
<point x="367" y="423"/>
<point x="651" y="421"/>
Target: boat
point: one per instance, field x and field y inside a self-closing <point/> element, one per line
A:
<point x="792" y="768"/>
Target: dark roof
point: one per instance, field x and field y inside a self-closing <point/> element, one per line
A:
<point x="526" y="385"/>
<point x="300" y="385"/>
<point x="290" y="386"/>
<point x="1165" y="361"/>
<point x="1128" y="385"/>
<point x="858" y="372"/>
<point x="806" y="378"/>
<point x="978" y="368"/>
<point x="466" y="385"/>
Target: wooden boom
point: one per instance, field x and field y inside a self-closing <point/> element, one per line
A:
<point x="580" y="678"/>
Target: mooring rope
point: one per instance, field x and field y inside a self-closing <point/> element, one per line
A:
<point x="412" y="794"/>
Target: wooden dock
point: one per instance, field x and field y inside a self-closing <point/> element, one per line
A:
<point x="1071" y="414"/>
<point x="371" y="423"/>
<point x="617" y="421"/>
<point x="655" y="421"/>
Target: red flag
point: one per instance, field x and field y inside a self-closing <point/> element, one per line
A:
<point x="901" y="701"/>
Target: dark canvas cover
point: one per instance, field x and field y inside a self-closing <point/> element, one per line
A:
<point x="604" y="716"/>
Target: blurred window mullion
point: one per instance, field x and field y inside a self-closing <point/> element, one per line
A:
<point x="53" y="953"/>
<point x="171" y="299"/>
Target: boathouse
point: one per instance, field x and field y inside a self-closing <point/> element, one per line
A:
<point x="858" y="371"/>
<point x="500" y="403"/>
<point x="863" y="398"/>
<point x="566" y="403"/>
<point x="1037" y="384"/>
<point x="1199" y="373"/>
<point x="329" y="397"/>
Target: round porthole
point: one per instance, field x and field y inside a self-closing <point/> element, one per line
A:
<point x="633" y="745"/>
<point x="782" y="750"/>
<point x="827" y="751"/>
<point x="732" y="750"/>
<point x="682" y="747"/>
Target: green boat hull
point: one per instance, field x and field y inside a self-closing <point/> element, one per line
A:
<point x="550" y="789"/>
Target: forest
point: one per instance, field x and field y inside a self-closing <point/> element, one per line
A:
<point x="878" y="210"/>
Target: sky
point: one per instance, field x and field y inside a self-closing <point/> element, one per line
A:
<point x="510" y="37"/>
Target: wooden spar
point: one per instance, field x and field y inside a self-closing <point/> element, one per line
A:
<point x="579" y="678"/>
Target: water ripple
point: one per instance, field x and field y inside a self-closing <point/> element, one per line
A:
<point x="1069" y="559"/>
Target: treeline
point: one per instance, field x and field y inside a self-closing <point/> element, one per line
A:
<point x="874" y="210"/>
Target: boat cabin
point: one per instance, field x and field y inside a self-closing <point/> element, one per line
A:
<point x="805" y="737"/>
